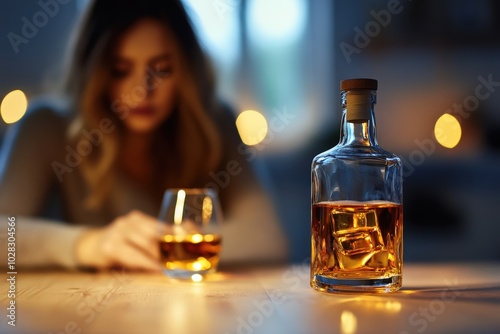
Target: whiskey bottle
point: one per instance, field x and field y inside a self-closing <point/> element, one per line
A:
<point x="356" y="203"/>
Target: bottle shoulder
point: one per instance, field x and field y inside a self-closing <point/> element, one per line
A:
<point x="353" y="153"/>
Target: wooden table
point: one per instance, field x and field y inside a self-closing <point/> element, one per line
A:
<point x="436" y="298"/>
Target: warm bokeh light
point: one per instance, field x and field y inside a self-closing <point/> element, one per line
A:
<point x="252" y="127"/>
<point x="14" y="106"/>
<point x="447" y="131"/>
<point x="348" y="323"/>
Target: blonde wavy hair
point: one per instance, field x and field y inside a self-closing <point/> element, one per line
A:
<point x="189" y="134"/>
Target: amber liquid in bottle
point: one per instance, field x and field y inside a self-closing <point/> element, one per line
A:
<point x="356" y="204"/>
<point x="357" y="239"/>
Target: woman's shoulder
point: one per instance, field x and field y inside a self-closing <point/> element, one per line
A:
<point x="47" y="110"/>
<point x="45" y="117"/>
<point x="224" y="111"/>
<point x="225" y="119"/>
<point x="44" y="125"/>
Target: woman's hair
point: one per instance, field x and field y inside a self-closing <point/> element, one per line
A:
<point x="187" y="145"/>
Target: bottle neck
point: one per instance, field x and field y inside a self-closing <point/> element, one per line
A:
<point x="358" y="118"/>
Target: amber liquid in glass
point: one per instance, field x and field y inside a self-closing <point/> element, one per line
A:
<point x="356" y="244"/>
<point x="194" y="253"/>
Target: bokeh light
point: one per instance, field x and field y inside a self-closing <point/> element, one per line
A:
<point x="277" y="21"/>
<point x="447" y="131"/>
<point x="13" y="106"/>
<point x="252" y="127"/>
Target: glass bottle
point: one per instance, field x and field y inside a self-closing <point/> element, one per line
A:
<point x="356" y="203"/>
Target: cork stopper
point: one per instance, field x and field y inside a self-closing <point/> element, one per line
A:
<point x="361" y="83"/>
<point x="358" y="98"/>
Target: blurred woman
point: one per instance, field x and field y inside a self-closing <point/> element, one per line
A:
<point x="140" y="115"/>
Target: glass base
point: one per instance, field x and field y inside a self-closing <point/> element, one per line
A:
<point x="331" y="284"/>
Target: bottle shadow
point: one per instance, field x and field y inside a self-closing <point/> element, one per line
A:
<point x="489" y="293"/>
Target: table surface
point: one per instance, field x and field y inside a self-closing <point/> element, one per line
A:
<point x="435" y="298"/>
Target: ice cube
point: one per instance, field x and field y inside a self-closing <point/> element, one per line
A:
<point x="356" y="231"/>
<point x="346" y="219"/>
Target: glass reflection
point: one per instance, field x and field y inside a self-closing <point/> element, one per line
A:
<point x="348" y="322"/>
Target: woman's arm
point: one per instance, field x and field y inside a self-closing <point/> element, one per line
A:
<point x="38" y="242"/>
<point x="26" y="179"/>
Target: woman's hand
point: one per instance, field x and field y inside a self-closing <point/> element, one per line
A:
<point x="130" y="241"/>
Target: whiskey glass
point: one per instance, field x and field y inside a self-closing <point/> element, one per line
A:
<point x="190" y="240"/>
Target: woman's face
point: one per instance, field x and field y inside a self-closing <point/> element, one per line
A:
<point x="144" y="77"/>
